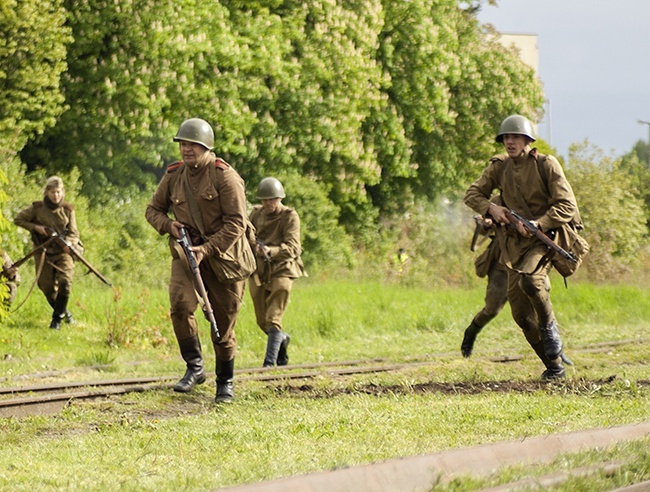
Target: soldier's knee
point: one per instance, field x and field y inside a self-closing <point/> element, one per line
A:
<point x="528" y="285"/>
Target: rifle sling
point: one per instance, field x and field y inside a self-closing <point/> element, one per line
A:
<point x="39" y="270"/>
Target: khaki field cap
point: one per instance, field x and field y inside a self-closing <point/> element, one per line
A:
<point x="270" y="188"/>
<point x="52" y="183"/>
<point x="196" y="130"/>
<point x="516" y="125"/>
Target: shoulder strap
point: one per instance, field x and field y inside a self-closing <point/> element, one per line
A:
<point x="542" y="167"/>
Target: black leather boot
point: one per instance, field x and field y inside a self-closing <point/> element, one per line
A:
<point x="195" y="374"/>
<point x="225" y="389"/>
<point x="273" y="343"/>
<point x="551" y="339"/>
<point x="283" y="356"/>
<point x="469" y="338"/>
<point x="60" y="308"/>
<point x="554" y="367"/>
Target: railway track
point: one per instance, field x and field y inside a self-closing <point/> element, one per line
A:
<point x="21" y="401"/>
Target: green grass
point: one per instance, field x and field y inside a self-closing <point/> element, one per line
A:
<point x="167" y="441"/>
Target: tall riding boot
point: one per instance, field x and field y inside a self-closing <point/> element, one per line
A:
<point x="554" y="367"/>
<point x="275" y="339"/>
<point x="551" y="339"/>
<point x="283" y="356"/>
<point x="195" y="374"/>
<point x="471" y="332"/>
<point x="225" y="389"/>
<point x="60" y="307"/>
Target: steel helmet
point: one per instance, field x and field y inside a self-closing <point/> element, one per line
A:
<point x="516" y="125"/>
<point x="197" y="131"/>
<point x="270" y="188"/>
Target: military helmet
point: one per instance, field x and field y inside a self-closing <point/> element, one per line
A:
<point x="270" y="188"/>
<point x="197" y="131"/>
<point x="516" y="125"/>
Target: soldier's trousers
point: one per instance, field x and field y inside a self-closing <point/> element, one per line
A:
<point x="270" y="301"/>
<point x="530" y="301"/>
<point x="225" y="300"/>
<point x="56" y="276"/>
<point x="496" y="295"/>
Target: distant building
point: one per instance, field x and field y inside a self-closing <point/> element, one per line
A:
<point x="526" y="45"/>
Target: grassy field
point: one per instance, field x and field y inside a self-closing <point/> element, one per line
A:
<point x="166" y="441"/>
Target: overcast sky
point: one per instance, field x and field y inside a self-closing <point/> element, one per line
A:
<point x="594" y="63"/>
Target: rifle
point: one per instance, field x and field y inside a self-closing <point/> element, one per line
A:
<point x="480" y="228"/>
<point x="18" y="263"/>
<point x="515" y="218"/>
<point x="61" y="239"/>
<point x="267" y="258"/>
<point x="267" y="261"/>
<point x="186" y="244"/>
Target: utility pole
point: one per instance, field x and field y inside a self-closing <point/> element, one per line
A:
<point x="641" y="122"/>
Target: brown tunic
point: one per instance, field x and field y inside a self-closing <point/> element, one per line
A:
<point x="219" y="193"/>
<point x="58" y="269"/>
<point x="280" y="231"/>
<point x="534" y="185"/>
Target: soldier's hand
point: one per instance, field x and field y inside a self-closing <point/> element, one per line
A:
<point x="499" y="213"/>
<point x="198" y="253"/>
<point x="176" y="229"/>
<point x="524" y="231"/>
<point x="39" y="229"/>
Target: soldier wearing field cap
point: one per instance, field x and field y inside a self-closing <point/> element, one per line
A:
<point x="205" y="195"/>
<point x="277" y="249"/>
<point x="535" y="186"/>
<point x="54" y="265"/>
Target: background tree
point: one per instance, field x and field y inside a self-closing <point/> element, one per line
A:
<point x="32" y="59"/>
<point x="614" y="217"/>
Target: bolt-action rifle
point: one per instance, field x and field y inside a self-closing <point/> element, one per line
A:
<point x="18" y="263"/>
<point x="479" y="230"/>
<point x="60" y="238"/>
<point x="515" y="218"/>
<point x="186" y="244"/>
<point x="261" y="245"/>
<point x="267" y="261"/>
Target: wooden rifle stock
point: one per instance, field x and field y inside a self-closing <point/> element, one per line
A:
<point x="18" y="263"/>
<point x="74" y="251"/>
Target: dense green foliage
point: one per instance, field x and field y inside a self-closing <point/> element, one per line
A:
<point x="32" y="60"/>
<point x="378" y="114"/>
<point x="378" y="102"/>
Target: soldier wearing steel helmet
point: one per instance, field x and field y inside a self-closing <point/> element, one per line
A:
<point x="535" y="186"/>
<point x="206" y="196"/>
<point x="277" y="249"/>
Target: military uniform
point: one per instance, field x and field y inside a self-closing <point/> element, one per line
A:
<point x="219" y="193"/>
<point x="223" y="211"/>
<point x="524" y="189"/>
<point x="535" y="186"/>
<point x="55" y="280"/>
<point x="271" y="285"/>
<point x="10" y="279"/>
